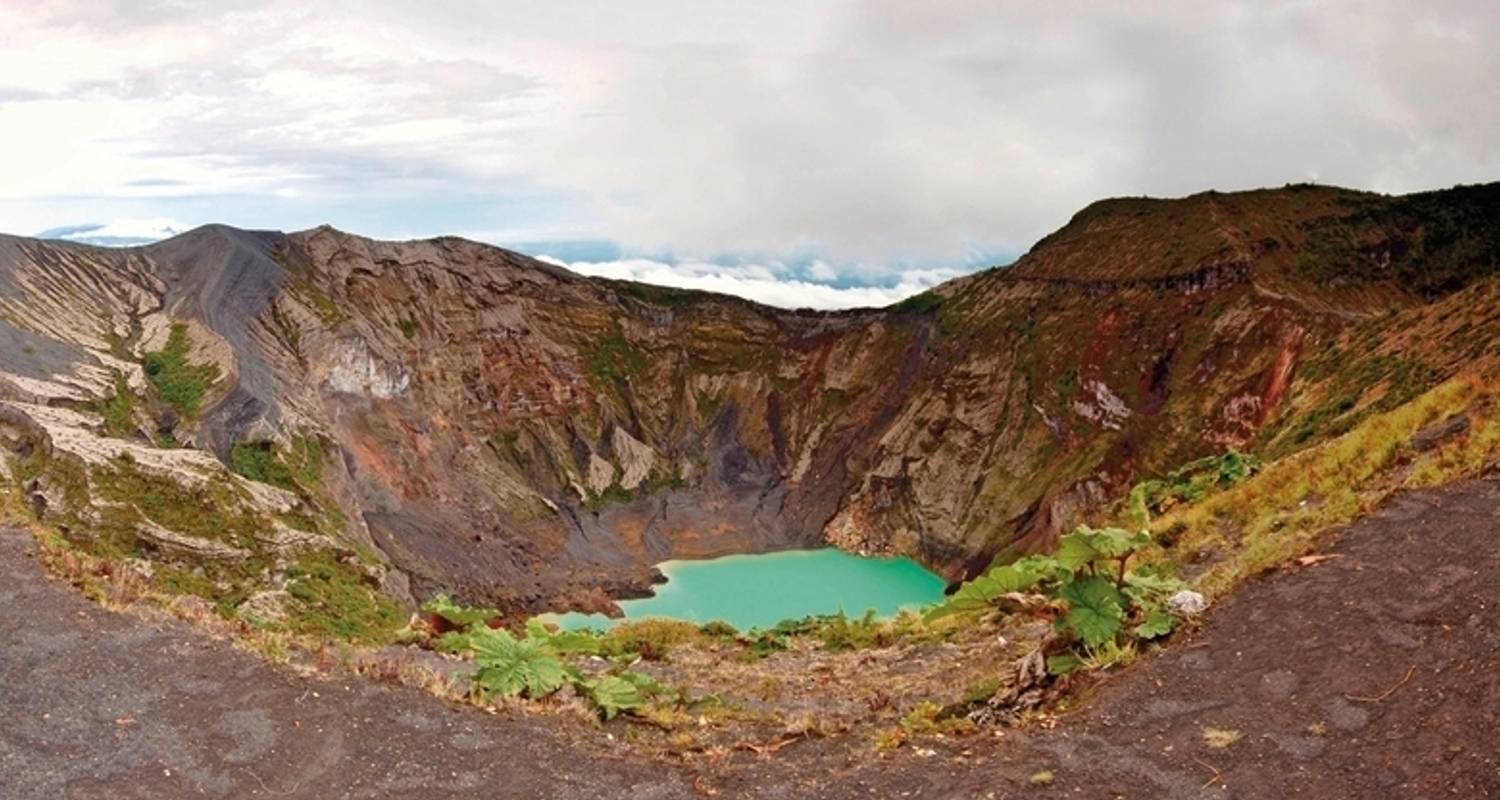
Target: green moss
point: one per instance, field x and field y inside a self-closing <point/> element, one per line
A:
<point x="225" y="594"/>
<point x="331" y="598"/>
<point x="980" y="691"/>
<point x="179" y="383"/>
<point x="408" y="326"/>
<point x="289" y="330"/>
<point x="211" y="511"/>
<point x="835" y="400"/>
<point x="118" y="409"/>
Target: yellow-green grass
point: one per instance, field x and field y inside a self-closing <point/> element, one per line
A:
<point x="1278" y="514"/>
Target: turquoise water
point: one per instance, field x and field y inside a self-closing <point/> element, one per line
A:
<point x="758" y="591"/>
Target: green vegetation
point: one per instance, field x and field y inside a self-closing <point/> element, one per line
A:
<point x="534" y="664"/>
<point x="459" y="616"/>
<point x="1095" y="599"/>
<point x="289" y="330"/>
<point x="614" y="495"/>
<point x="179" y="383"/>
<point x="118" y="408"/>
<point x="212" y="583"/>
<point x="708" y="406"/>
<point x="408" y="326"/>
<point x="333" y="598"/>
<point x="836" y="632"/>
<point x="263" y="461"/>
<point x="211" y="511"/>
<point x="613" y="359"/>
<point x="1276" y="515"/>
<point x="258" y="462"/>
<point x="1189" y="484"/>
<point x="924" y="303"/>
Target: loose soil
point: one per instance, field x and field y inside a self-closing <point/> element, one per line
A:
<point x="1374" y="673"/>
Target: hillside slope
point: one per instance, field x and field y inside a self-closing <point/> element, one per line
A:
<point x="462" y="418"/>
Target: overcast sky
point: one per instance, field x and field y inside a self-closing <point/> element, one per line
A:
<point x="842" y="153"/>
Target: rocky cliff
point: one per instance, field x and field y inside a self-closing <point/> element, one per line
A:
<point x="471" y="420"/>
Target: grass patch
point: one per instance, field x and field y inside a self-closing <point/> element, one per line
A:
<point x="118" y="408"/>
<point x="180" y="383"/>
<point x="298" y="465"/>
<point x="333" y="599"/>
<point x="1275" y="515"/>
<point x="258" y="462"/>
<point x="210" y="511"/>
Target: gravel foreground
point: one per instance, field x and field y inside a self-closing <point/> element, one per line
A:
<point x="1373" y="673"/>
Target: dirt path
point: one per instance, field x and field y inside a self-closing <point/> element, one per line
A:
<point x="1373" y="674"/>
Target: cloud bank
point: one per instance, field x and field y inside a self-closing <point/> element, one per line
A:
<point x="878" y="136"/>
<point x="769" y="285"/>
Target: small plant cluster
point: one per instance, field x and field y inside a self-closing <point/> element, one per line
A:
<point x="534" y="664"/>
<point x="1088" y="589"/>
<point x="1190" y="483"/>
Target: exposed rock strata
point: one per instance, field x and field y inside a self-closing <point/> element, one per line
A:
<point x="525" y="436"/>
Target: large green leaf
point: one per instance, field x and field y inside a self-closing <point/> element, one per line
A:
<point x="509" y="666"/>
<point x="564" y="642"/>
<point x="1117" y="542"/>
<point x="1145" y="587"/>
<point x="452" y="642"/>
<point x="1157" y="623"/>
<point x="613" y="694"/>
<point x="1076" y="550"/>
<point x="1086" y="545"/>
<point x="1063" y="663"/>
<point x="1095" y="610"/>
<point x="461" y="616"/>
<point x="984" y="591"/>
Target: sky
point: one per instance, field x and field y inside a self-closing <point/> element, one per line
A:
<point x="800" y="153"/>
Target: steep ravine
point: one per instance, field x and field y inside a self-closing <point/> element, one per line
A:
<point x="520" y="435"/>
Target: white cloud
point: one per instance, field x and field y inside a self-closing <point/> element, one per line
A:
<point x="150" y="229"/>
<point x="820" y="271"/>
<point x="763" y="284"/>
<point x="873" y="133"/>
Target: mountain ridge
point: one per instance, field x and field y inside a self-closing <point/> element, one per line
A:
<point x="505" y="429"/>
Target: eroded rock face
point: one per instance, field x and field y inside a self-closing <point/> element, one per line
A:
<point x="520" y="435"/>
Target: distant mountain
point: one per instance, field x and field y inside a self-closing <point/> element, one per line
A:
<point x="120" y="233"/>
<point x="491" y="425"/>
